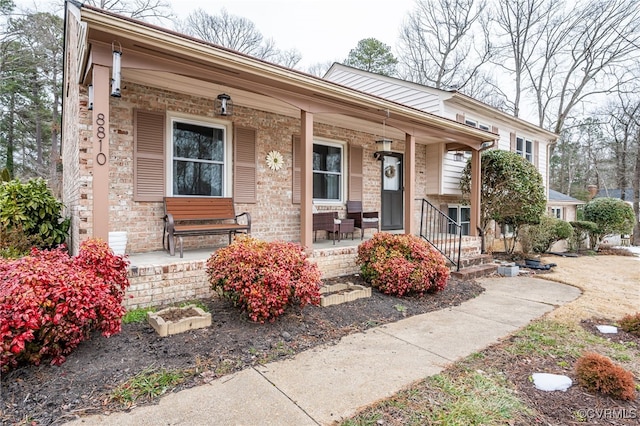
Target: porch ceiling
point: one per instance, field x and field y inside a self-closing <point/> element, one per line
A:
<point x="155" y="56"/>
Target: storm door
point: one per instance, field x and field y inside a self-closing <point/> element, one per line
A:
<point x="392" y="192"/>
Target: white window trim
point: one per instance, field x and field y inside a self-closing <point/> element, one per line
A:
<point x="459" y="207"/>
<point x="202" y="121"/>
<point x="524" y="152"/>
<point x="344" y="172"/>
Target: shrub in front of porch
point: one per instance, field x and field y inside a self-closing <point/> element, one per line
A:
<point x="402" y="265"/>
<point x="50" y="302"/>
<point x="263" y="278"/>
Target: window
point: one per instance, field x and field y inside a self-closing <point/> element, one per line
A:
<point x="462" y="215"/>
<point x="327" y="172"/>
<point x="556" y="212"/>
<point x="199" y="158"/>
<point x="474" y="123"/>
<point x="524" y="148"/>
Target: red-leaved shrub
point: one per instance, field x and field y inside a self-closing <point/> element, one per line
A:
<point x="598" y="373"/>
<point x="50" y="302"/>
<point x="402" y="264"/>
<point x="263" y="278"/>
<point x="631" y="324"/>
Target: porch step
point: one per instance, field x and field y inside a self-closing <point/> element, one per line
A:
<point x="478" y="259"/>
<point x="476" y="271"/>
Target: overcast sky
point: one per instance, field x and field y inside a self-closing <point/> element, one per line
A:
<point x="322" y="30"/>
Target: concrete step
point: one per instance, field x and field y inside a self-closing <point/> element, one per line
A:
<point x="476" y="271"/>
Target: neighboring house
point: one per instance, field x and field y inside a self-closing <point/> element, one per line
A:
<point x="443" y="171"/>
<point x="563" y="206"/>
<point x="141" y="122"/>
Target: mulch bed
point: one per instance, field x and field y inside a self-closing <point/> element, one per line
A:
<point x="50" y="395"/>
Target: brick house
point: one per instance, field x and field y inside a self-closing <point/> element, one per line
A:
<point x="128" y="115"/>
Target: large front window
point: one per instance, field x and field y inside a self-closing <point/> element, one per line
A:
<point x="198" y="159"/>
<point x="462" y="215"/>
<point x="327" y="172"/>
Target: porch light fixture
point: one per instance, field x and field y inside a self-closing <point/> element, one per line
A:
<point x="458" y="156"/>
<point x="223" y="105"/>
<point x="90" y="90"/>
<point x="383" y="145"/>
<point x="115" y="71"/>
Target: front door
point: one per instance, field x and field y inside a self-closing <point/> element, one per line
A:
<point x="392" y="192"/>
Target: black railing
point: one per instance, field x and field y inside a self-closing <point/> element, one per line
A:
<point x="442" y="232"/>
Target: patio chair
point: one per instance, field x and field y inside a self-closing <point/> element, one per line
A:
<point x="362" y="220"/>
<point x="326" y="221"/>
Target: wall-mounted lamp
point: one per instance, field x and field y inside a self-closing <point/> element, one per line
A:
<point x="90" y="90"/>
<point x="115" y="71"/>
<point x="458" y="156"/>
<point x="383" y="145"/>
<point x="223" y="105"/>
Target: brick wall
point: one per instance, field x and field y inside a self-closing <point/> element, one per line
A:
<point x="274" y="216"/>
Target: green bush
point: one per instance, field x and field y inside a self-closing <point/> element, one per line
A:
<point x="263" y="278"/>
<point x="402" y="264"/>
<point x="539" y="238"/>
<point x="612" y="215"/>
<point x="582" y="229"/>
<point x="30" y="214"/>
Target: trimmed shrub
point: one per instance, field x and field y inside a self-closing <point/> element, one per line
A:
<point x="631" y="324"/>
<point x="31" y="209"/>
<point x="50" y="302"/>
<point x="402" y="264"/>
<point x="263" y="278"/>
<point x="582" y="231"/>
<point x="612" y="215"/>
<point x="598" y="373"/>
<point x="539" y="238"/>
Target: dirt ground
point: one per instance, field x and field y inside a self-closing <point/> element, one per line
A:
<point x="49" y="395"/>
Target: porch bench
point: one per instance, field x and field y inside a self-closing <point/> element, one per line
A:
<point x="196" y="216"/>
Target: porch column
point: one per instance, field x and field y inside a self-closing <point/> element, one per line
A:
<point x="306" y="184"/>
<point x="476" y="185"/>
<point x="409" y="183"/>
<point x="100" y="152"/>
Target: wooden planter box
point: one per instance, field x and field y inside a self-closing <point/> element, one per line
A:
<point x="177" y="320"/>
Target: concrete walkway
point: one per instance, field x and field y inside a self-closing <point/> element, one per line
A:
<point x="330" y="383"/>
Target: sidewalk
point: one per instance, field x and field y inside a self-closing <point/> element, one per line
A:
<point x="330" y="383"/>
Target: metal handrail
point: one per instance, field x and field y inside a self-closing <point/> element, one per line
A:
<point x="442" y="232"/>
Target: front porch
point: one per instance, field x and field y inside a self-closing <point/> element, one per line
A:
<point x="157" y="278"/>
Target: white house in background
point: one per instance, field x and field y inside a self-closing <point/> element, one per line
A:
<point x="443" y="163"/>
<point x="563" y="206"/>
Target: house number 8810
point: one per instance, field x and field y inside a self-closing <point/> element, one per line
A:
<point x="101" y="158"/>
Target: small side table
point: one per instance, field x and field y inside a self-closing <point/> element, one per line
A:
<point x="347" y="227"/>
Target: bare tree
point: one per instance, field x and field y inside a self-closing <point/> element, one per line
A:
<point x="519" y="25"/>
<point x="442" y="45"/>
<point x="145" y="10"/>
<point x="584" y="52"/>
<point x="237" y="33"/>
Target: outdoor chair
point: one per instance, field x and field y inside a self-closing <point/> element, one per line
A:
<point x="362" y="220"/>
<point x="326" y="221"/>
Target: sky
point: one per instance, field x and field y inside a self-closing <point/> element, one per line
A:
<point x="321" y="30"/>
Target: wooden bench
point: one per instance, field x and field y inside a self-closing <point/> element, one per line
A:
<point x="195" y="216"/>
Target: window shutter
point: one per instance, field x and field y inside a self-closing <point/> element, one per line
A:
<point x="355" y="173"/>
<point x="536" y="153"/>
<point x="494" y="129"/>
<point x="460" y="118"/>
<point x="244" y="165"/>
<point x="297" y="178"/>
<point x="513" y="142"/>
<point x="148" y="156"/>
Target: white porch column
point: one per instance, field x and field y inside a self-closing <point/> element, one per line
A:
<point x="306" y="184"/>
<point x="100" y="152"/>
<point x="476" y="185"/>
<point x="410" y="226"/>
